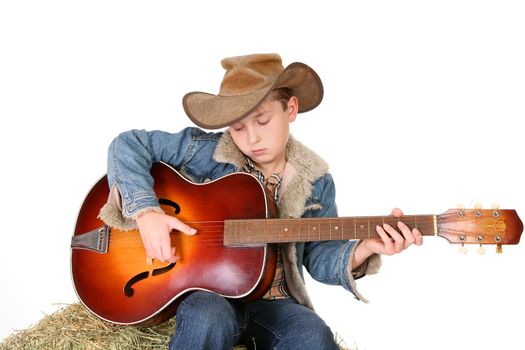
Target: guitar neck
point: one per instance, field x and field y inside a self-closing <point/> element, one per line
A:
<point x="262" y="231"/>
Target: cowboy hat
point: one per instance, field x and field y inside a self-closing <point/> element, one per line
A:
<point x="247" y="82"/>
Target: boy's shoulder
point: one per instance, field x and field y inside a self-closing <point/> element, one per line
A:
<point x="198" y="134"/>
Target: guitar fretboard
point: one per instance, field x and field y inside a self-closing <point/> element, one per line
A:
<point x="261" y="231"/>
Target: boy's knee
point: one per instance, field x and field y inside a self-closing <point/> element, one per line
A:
<point x="206" y="310"/>
<point x="204" y="321"/>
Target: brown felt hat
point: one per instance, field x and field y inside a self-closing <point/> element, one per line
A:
<point x="247" y="82"/>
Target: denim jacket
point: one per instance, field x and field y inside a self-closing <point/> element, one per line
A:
<point x="202" y="157"/>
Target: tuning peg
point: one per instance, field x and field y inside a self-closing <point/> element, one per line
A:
<point x="478" y="206"/>
<point x="463" y="250"/>
<point x="499" y="249"/>
<point x="495" y="206"/>
<point x="480" y="250"/>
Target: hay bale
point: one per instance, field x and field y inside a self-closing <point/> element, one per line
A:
<point x="73" y="327"/>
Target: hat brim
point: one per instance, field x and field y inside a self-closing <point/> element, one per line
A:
<point x="215" y="111"/>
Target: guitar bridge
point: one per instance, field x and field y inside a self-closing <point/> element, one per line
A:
<point x="95" y="240"/>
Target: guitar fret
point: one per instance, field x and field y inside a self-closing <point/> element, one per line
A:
<point x="278" y="229"/>
<point x="304" y="230"/>
<point x="261" y="234"/>
<point x="263" y="231"/>
<point x="362" y="228"/>
<point x="239" y="231"/>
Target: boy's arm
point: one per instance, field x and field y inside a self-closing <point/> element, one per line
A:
<point x="130" y="158"/>
<point x="342" y="262"/>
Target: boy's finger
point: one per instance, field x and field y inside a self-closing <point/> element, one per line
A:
<point x="387" y="241"/>
<point x="182" y="227"/>
<point x="396" y="212"/>
<point x="399" y="240"/>
<point x="407" y="233"/>
<point x="418" y="236"/>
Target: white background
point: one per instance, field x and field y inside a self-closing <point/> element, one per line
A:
<point x="422" y="105"/>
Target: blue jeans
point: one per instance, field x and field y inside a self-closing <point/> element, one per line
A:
<point x="208" y="321"/>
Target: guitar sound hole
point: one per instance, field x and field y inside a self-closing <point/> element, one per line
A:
<point x="162" y="270"/>
<point x="171" y="203"/>
<point x="128" y="290"/>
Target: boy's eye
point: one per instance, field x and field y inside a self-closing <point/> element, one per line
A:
<point x="237" y="127"/>
<point x="262" y="121"/>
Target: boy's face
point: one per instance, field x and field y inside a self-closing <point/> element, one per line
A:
<point x="263" y="134"/>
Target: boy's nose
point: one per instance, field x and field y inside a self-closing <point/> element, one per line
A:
<point x="253" y="137"/>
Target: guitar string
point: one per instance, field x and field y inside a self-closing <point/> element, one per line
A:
<point x="217" y="238"/>
<point x="217" y="227"/>
<point x="247" y="243"/>
<point x="429" y="217"/>
<point x="214" y="229"/>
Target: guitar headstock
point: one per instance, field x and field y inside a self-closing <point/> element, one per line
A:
<point x="480" y="226"/>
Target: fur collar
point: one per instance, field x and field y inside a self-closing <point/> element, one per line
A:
<point x="308" y="168"/>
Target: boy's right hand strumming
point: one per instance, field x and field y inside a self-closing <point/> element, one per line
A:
<point x="155" y="229"/>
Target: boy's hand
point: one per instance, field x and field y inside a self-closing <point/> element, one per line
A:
<point x="391" y="240"/>
<point x="155" y="231"/>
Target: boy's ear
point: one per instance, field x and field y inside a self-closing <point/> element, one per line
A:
<point x="293" y="108"/>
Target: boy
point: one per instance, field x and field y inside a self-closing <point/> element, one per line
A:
<point x="258" y="99"/>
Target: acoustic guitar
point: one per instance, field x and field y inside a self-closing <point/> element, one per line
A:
<point x="233" y="253"/>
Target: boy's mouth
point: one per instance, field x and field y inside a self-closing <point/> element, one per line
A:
<point x="258" y="151"/>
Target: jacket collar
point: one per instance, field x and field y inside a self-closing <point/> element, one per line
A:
<point x="308" y="167"/>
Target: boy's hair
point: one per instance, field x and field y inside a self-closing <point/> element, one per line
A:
<point x="282" y="95"/>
